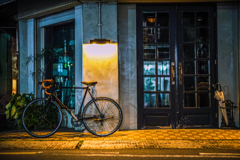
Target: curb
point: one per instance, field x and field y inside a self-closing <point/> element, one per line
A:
<point x="123" y="144"/>
<point x="162" y="144"/>
<point x="31" y="145"/>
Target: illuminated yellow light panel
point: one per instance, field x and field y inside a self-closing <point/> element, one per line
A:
<point x="100" y="50"/>
<point x="100" y="63"/>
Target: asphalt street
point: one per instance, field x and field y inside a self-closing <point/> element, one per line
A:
<point x="126" y="154"/>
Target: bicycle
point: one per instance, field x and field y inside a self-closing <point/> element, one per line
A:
<point x="42" y="117"/>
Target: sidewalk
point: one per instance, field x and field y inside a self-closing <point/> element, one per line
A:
<point x="133" y="139"/>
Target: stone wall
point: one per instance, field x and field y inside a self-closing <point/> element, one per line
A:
<point x="227" y="42"/>
<point x="128" y="64"/>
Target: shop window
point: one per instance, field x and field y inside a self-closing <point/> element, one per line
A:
<point x="59" y="59"/>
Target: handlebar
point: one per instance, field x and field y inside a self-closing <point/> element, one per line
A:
<point x="47" y="87"/>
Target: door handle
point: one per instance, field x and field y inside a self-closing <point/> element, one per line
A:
<point x="173" y="78"/>
<point x="180" y="72"/>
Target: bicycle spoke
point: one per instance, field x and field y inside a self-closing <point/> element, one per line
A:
<point x="104" y="124"/>
<point x="41" y="118"/>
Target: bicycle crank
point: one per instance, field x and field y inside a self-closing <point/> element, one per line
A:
<point x="76" y="123"/>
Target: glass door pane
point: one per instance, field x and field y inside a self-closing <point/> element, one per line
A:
<point x="196" y="59"/>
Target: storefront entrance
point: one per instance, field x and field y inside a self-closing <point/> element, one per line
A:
<point x="176" y="66"/>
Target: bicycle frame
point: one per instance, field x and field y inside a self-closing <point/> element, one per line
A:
<point x="59" y="102"/>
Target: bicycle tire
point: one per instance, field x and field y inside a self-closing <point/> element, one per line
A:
<point x="41" y="118"/>
<point x="110" y="121"/>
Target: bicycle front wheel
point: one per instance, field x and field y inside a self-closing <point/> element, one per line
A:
<point x="102" y="117"/>
<point x="41" y="118"/>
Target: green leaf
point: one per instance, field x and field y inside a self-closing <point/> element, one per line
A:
<point x="8" y="106"/>
<point x="13" y="112"/>
<point x="7" y="114"/>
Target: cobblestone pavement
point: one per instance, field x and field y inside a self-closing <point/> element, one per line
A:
<point x="148" y="134"/>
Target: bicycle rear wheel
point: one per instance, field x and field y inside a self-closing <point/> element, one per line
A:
<point x="41" y="118"/>
<point x="105" y="124"/>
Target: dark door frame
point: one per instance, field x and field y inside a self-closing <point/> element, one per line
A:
<point x="213" y="72"/>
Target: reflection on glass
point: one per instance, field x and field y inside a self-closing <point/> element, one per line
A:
<point x="163" y="68"/>
<point x="60" y="38"/>
<point x="163" y="100"/>
<point x="189" y="35"/>
<point x="162" y="19"/>
<point x="148" y="19"/>
<point x="162" y="35"/>
<point x="189" y="67"/>
<point x="203" y="99"/>
<point x="163" y="84"/>
<point x="202" y="51"/>
<point x="149" y="100"/>
<point x="148" y="51"/>
<point x="189" y="50"/>
<point x="149" y="84"/>
<point x="163" y="50"/>
<point x="202" y="18"/>
<point x="203" y="67"/>
<point x="188" y="18"/>
<point x="203" y="35"/>
<point x="189" y="83"/>
<point x="149" y="68"/>
<point x="189" y="100"/>
<point x="203" y="82"/>
<point x="148" y="35"/>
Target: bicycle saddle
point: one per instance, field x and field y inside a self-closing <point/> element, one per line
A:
<point x="89" y="83"/>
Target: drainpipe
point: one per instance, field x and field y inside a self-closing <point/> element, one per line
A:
<point x="99" y="19"/>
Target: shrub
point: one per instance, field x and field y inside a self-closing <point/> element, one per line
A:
<point x="14" y="109"/>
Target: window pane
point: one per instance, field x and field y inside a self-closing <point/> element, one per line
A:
<point x="202" y="18"/>
<point x="60" y="59"/>
<point x="189" y="50"/>
<point x="149" y="84"/>
<point x="162" y="35"/>
<point x="148" y="51"/>
<point x="163" y="50"/>
<point x="148" y="19"/>
<point x="149" y="100"/>
<point x="149" y="68"/>
<point x="189" y="67"/>
<point x="203" y="83"/>
<point x="189" y="100"/>
<point x="202" y="51"/>
<point x="162" y="19"/>
<point x="148" y="35"/>
<point x="202" y="67"/>
<point x="163" y="100"/>
<point x="189" y="35"/>
<point x="163" y="68"/>
<point x="188" y="18"/>
<point x="203" y="35"/>
<point x="189" y="83"/>
<point x="163" y="83"/>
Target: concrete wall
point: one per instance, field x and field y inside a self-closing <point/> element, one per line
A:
<point x="127" y="64"/>
<point x="100" y="68"/>
<point x="78" y="56"/>
<point x="26" y="50"/>
<point x="227" y="33"/>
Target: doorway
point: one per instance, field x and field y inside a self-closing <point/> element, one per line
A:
<point x="176" y="66"/>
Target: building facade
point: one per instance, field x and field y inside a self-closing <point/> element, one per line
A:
<point x="160" y="65"/>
